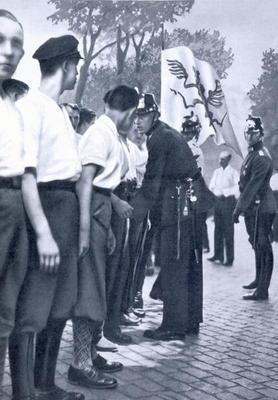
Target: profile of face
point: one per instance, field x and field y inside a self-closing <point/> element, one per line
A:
<point x="144" y="122"/>
<point x="125" y="120"/>
<point x="71" y="73"/>
<point x="11" y="47"/>
<point x="136" y="136"/>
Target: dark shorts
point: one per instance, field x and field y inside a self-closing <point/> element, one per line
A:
<point x="14" y="251"/>
<point x="51" y="296"/>
<point x="91" y="302"/>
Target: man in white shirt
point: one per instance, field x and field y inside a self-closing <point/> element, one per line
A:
<point x="224" y="184"/>
<point x="104" y="164"/>
<point x="52" y="167"/>
<point x="13" y="235"/>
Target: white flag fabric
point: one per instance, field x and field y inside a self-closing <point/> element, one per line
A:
<point x="189" y="84"/>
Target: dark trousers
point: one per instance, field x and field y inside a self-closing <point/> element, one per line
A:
<point x="117" y="271"/>
<point x="92" y="294"/>
<point x="13" y="262"/>
<point x="140" y="259"/>
<point x="46" y="300"/>
<point x="205" y="238"/>
<point x="260" y="240"/>
<point x="224" y="228"/>
<point x="181" y="279"/>
<point x="14" y="253"/>
<point x="139" y="249"/>
<point x="275" y="222"/>
<point x="51" y="296"/>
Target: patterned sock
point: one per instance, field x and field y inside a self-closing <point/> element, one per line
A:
<point x="82" y="339"/>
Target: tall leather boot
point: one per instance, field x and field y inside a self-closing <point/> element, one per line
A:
<point x="266" y="272"/>
<point x="47" y="350"/>
<point x="3" y="351"/>
<point x="21" y="348"/>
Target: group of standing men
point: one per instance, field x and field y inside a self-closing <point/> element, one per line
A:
<point x="56" y="208"/>
<point x="250" y="195"/>
<point x="59" y="205"/>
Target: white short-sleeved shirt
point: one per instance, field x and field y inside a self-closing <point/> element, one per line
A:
<point x="137" y="161"/>
<point x="130" y="151"/>
<point x="274" y="182"/>
<point x="101" y="145"/>
<point x="11" y="140"/>
<point x="141" y="162"/>
<point x="50" y="143"/>
<point x="224" y="182"/>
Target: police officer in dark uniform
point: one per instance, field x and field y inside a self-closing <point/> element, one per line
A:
<point x="257" y="203"/>
<point x="171" y="174"/>
<point x="191" y="128"/>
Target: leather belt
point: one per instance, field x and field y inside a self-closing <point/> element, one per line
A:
<point x="13" y="182"/>
<point x="105" y="192"/>
<point x="57" y="185"/>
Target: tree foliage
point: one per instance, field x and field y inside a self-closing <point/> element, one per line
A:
<point x="264" y="96"/>
<point x="107" y="23"/>
<point x="205" y="45"/>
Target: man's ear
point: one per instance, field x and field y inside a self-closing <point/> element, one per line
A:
<point x="65" y="65"/>
<point x="156" y="116"/>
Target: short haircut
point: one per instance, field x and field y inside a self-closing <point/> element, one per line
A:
<point x="86" y="116"/>
<point x="121" y="98"/>
<point x="50" y="66"/>
<point x="7" y="14"/>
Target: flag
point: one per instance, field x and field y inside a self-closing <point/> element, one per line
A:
<point x="189" y="84"/>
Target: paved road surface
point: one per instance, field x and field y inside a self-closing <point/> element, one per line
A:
<point x="234" y="357"/>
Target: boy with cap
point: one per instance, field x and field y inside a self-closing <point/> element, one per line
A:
<point x="170" y="165"/>
<point x="104" y="164"/>
<point x="13" y="235"/>
<point x="257" y="203"/>
<point x="52" y="167"/>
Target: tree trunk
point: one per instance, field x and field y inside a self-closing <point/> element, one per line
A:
<point x="138" y="48"/>
<point x="121" y="54"/>
<point x="84" y="71"/>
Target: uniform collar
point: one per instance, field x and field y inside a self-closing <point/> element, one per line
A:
<point x="257" y="146"/>
<point x="153" y="129"/>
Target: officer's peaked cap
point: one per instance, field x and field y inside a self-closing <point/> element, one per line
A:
<point x="147" y="104"/>
<point x="66" y="46"/>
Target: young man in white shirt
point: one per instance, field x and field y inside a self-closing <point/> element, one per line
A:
<point x="224" y="184"/>
<point x="52" y="167"/>
<point x="104" y="165"/>
<point x="13" y="235"/>
<point x="120" y="271"/>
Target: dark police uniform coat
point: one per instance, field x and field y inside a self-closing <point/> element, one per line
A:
<point x="257" y="203"/>
<point x="170" y="163"/>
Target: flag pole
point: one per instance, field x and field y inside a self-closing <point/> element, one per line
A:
<point x="162" y="37"/>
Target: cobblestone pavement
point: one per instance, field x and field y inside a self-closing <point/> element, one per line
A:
<point x="234" y="357"/>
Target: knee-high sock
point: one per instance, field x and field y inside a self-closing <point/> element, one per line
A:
<point x="82" y="337"/>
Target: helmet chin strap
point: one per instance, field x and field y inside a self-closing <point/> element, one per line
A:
<point x="154" y="120"/>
